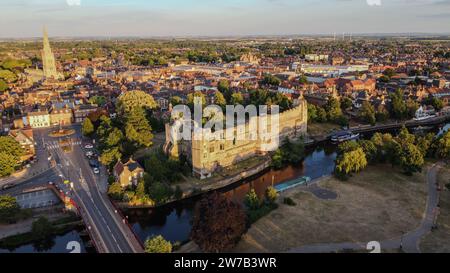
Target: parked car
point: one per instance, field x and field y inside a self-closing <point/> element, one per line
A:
<point x="8" y="186"/>
<point x="96" y="171"/>
<point x="88" y="146"/>
<point x="94" y="163"/>
<point x="89" y="153"/>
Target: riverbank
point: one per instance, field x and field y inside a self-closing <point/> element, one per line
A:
<point x="60" y="226"/>
<point x="375" y="204"/>
<point x="193" y="187"/>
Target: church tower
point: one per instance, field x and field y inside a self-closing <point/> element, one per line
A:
<point x="48" y="60"/>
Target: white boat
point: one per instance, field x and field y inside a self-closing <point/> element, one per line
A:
<point x="344" y="136"/>
<point x="422" y="118"/>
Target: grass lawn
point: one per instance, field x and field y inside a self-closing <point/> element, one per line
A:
<point x="379" y="203"/>
<point x="439" y="240"/>
<point x="319" y="129"/>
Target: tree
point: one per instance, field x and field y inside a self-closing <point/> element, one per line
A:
<point x="333" y="109"/>
<point x="140" y="189"/>
<point x="237" y="98"/>
<point x="98" y="100"/>
<point x="398" y="105"/>
<point x="381" y="115"/>
<point x="367" y="113"/>
<point x="411" y="159"/>
<point x="271" y="194"/>
<point x="321" y="115"/>
<point x="346" y="103"/>
<point x="218" y="223"/>
<point x="3" y="85"/>
<point x="198" y="94"/>
<point x="116" y="191"/>
<point x="10" y="152"/>
<point x="350" y="162"/>
<point x="8" y="76"/>
<point x="135" y="99"/>
<point x="110" y="156"/>
<point x="160" y="192"/>
<point x="404" y="137"/>
<point x="87" y="128"/>
<point x="312" y="112"/>
<point x="9" y="209"/>
<point x="347" y="147"/>
<point x="437" y="103"/>
<point x="252" y="200"/>
<point x="41" y="228"/>
<point x="411" y="108"/>
<point x="277" y="159"/>
<point x="114" y="137"/>
<point x="175" y="100"/>
<point x="157" y="244"/>
<point x="137" y="128"/>
<point x="424" y="143"/>
<point x="8" y="164"/>
<point x="303" y="79"/>
<point x="443" y="146"/>
<point x="223" y="86"/>
<point x="370" y="150"/>
<point x="219" y="99"/>
<point x="271" y="80"/>
<point x="10" y="146"/>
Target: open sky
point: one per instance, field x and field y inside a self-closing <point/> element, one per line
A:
<point x="25" y="18"/>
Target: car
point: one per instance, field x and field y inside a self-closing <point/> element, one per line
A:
<point x="8" y="186"/>
<point x="88" y="146"/>
<point x="50" y="182"/>
<point x="96" y="170"/>
<point x="89" y="154"/>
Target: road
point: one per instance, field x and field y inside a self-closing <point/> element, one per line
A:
<point x="409" y="241"/>
<point x="110" y="233"/>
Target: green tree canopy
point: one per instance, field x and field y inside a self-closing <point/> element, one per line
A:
<point x="137" y="128"/>
<point x="157" y="244"/>
<point x="9" y="208"/>
<point x="350" y="162"/>
<point x="237" y="98"/>
<point x="3" y="85"/>
<point x="252" y="200"/>
<point x="135" y="99"/>
<point x="41" y="228"/>
<point x="87" y="127"/>
<point x="219" y="99"/>
<point x="411" y="159"/>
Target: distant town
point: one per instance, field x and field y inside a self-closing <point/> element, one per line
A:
<point x="89" y="155"/>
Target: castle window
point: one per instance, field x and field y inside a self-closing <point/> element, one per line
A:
<point x="222" y="147"/>
<point x="211" y="149"/>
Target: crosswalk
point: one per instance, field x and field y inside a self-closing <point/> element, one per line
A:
<point x="52" y="145"/>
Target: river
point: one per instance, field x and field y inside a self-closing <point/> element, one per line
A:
<point x="55" y="244"/>
<point x="173" y="221"/>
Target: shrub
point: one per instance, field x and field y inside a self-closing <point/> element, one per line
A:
<point x="158" y="244"/>
<point x="288" y="201"/>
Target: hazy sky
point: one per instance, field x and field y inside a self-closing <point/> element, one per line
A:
<point x="24" y="18"/>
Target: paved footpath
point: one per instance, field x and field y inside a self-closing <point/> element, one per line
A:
<point x="410" y="241"/>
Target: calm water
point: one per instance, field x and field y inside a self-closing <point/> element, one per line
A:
<point x="56" y="244"/>
<point x="173" y="221"/>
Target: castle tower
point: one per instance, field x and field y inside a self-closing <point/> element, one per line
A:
<point x="48" y="59"/>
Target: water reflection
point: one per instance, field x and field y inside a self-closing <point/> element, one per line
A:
<point x="55" y="244"/>
<point x="174" y="221"/>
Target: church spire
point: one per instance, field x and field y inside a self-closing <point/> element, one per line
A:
<point x="48" y="59"/>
